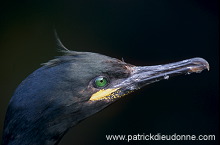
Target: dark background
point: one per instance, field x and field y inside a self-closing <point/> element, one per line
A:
<point x="143" y="32"/>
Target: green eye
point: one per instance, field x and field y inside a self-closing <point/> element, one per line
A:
<point x="101" y="81"/>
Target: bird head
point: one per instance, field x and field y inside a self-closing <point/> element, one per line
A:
<point x="74" y="86"/>
<point x="96" y="80"/>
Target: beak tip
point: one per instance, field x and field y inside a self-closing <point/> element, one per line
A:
<point x="201" y="64"/>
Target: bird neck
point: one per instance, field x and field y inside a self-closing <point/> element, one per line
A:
<point x="22" y="128"/>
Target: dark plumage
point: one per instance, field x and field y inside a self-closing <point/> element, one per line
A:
<point x="66" y="90"/>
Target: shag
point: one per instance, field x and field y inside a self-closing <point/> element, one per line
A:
<point x="74" y="86"/>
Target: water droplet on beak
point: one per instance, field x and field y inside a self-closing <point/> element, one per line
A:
<point x="166" y="77"/>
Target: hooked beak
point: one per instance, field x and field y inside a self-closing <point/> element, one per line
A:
<point x="144" y="75"/>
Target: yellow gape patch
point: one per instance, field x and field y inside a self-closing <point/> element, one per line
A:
<point x="102" y="94"/>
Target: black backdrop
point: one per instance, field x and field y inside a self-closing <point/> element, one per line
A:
<point x="143" y="32"/>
